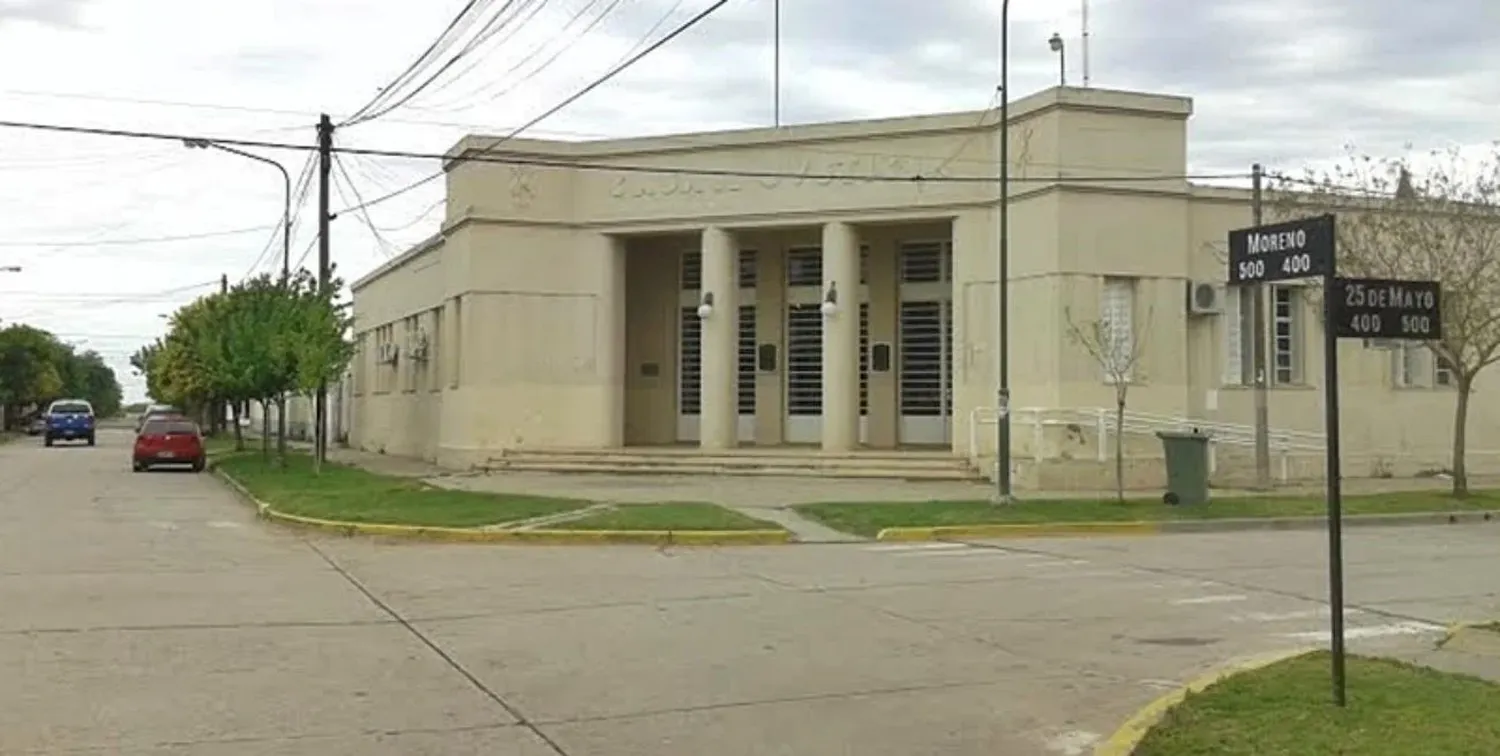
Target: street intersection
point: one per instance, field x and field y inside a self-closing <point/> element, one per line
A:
<point x="154" y="614"/>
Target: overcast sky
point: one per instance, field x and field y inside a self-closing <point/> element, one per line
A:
<point x="1282" y="82"/>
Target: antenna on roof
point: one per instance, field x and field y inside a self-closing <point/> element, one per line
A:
<point x="1085" y="43"/>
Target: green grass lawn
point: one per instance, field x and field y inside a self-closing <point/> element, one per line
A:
<point x="354" y="495"/>
<point x="1285" y="709"/>
<point x="869" y="518"/>
<point x="675" y="516"/>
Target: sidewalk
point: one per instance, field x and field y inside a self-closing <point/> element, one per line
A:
<point x="770" y="498"/>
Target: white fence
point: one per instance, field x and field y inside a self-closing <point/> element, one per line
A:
<point x="1102" y="422"/>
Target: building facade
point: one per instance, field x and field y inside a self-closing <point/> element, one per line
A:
<point x="834" y="286"/>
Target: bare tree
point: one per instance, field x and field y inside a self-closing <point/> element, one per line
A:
<point x="1434" y="219"/>
<point x="1116" y="347"/>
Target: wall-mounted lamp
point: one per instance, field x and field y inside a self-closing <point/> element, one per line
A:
<point x="706" y="307"/>
<point x="830" y="306"/>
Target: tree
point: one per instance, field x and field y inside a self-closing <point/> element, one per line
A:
<point x="258" y="341"/>
<point x="36" y="368"/>
<point x="1116" y="347"/>
<point x="1437" y="219"/>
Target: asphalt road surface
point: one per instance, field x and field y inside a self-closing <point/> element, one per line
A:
<point x="152" y="614"/>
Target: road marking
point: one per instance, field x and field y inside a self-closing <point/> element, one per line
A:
<point x="1372" y="631"/>
<point x="1300" y="614"/>
<point x="224" y="524"/>
<point x="164" y="525"/>
<point x="908" y="547"/>
<point x="1073" y="743"/>
<point x="1227" y="598"/>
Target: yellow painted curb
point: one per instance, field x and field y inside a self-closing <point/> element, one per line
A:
<point x="1468" y="636"/>
<point x="1124" y="741"/>
<point x="1020" y="530"/>
<point x="552" y="537"/>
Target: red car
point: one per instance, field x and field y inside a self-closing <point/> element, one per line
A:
<point x="168" y="441"/>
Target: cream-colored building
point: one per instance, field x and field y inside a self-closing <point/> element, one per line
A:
<point x="800" y="289"/>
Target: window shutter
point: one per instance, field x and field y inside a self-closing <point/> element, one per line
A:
<point x="1234" y="366"/>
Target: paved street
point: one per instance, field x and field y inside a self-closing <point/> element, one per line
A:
<point x="152" y="614"/>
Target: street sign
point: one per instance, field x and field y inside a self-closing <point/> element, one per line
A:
<point x="1380" y="308"/>
<point x="1282" y="251"/>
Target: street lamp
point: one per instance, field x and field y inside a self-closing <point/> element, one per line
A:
<point x="1056" y="43"/>
<point x="286" y="181"/>
<point x="1003" y="493"/>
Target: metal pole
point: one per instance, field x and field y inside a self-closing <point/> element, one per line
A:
<point x="1085" y="44"/>
<point x="1335" y="484"/>
<point x="1062" y="66"/>
<point x="325" y="174"/>
<point x="1003" y="492"/>
<point x="1258" y="354"/>
<point x="776" y="55"/>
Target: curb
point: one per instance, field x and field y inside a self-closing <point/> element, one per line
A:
<point x="1124" y="740"/>
<point x="1167" y="527"/>
<point x="1468" y="637"/>
<point x="1032" y="530"/>
<point x="552" y="537"/>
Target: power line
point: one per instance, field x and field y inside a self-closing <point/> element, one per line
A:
<point x="664" y="170"/>
<point x="437" y="47"/>
<point x="599" y="82"/>
<point x="538" y="50"/>
<point x="139" y="240"/>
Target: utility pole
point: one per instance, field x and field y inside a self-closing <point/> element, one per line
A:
<point x="325" y="174"/>
<point x="1258" y="351"/>
<point x="1003" y="493"/>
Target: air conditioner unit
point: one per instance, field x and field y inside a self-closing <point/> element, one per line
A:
<point x="419" y="348"/>
<point x="1205" y="298"/>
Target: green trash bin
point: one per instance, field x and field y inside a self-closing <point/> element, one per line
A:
<point x="1187" y="467"/>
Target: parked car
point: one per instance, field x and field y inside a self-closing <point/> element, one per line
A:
<point x="168" y="441"/>
<point x="155" y="411"/>
<point x="36" y="426"/>
<point x="69" y="420"/>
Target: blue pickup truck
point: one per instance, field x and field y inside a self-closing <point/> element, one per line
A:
<point x="70" y="420"/>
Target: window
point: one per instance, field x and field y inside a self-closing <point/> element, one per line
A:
<point x="1443" y="373"/>
<point x="1409" y="361"/>
<point x="458" y="341"/>
<point x="1117" y="320"/>
<point x="1239" y="336"/>
<point x="1286" y="334"/>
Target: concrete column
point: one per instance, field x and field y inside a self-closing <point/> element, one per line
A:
<point x="720" y="418"/>
<point x="841" y="339"/>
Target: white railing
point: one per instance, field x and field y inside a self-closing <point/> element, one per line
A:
<point x="1037" y="420"/>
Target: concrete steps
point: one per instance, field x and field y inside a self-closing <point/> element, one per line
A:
<point x="789" y="462"/>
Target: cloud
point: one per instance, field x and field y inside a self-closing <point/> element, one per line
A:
<point x="62" y="13"/>
<point x="1279" y="82"/>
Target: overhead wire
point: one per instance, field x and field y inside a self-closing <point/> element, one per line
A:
<point x="513" y="24"/>
<point x="480" y="155"/>
<point x="538" y="50"/>
<point x="599" y="82"/>
<point x="72" y="243"/>
<point x="386" y="248"/>
<point x="380" y="104"/>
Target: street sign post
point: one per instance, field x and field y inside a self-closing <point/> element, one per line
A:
<point x="1380" y="308"/>
<point x="1296" y="249"/>
<point x="1367" y="308"/>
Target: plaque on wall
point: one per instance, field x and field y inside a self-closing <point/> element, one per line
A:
<point x="650" y="370"/>
<point x="765" y="358"/>
<point x="880" y="357"/>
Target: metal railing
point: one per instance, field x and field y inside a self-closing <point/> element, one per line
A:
<point x="1102" y="422"/>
